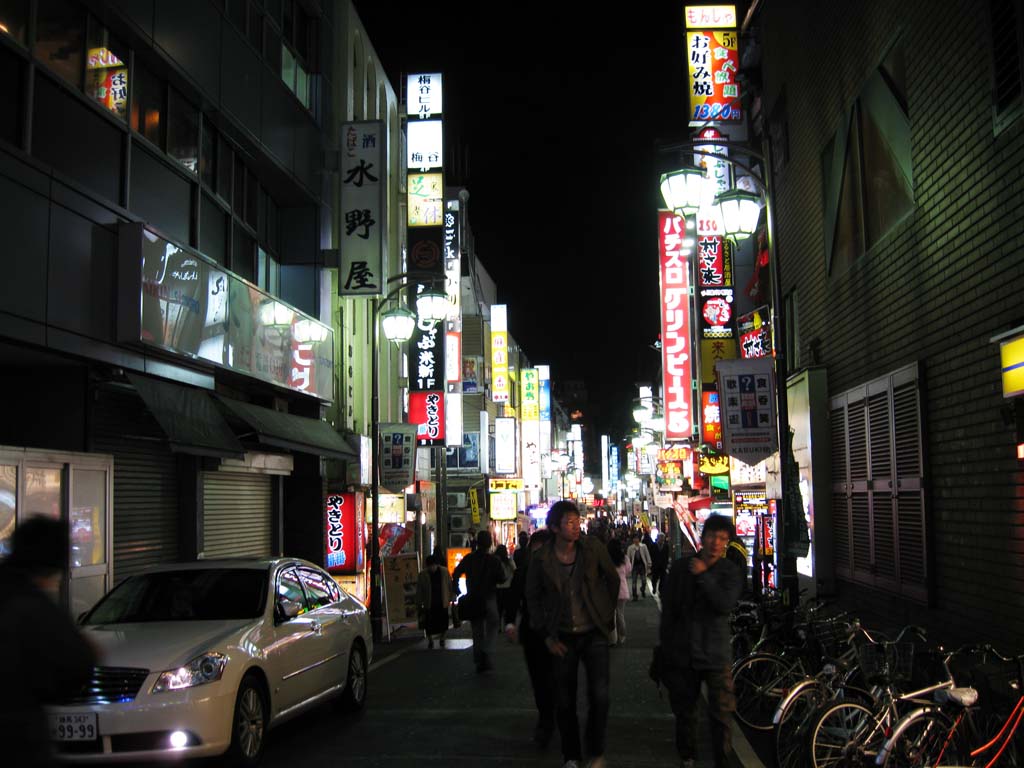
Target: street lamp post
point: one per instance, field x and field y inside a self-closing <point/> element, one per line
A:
<point x="739" y="211"/>
<point x="398" y="324"/>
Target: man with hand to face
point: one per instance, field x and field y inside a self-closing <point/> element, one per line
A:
<point x="572" y="589"/>
<point x="700" y="593"/>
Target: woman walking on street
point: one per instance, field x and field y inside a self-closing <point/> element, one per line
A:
<point x="507" y="570"/>
<point x="624" y="567"/>
<point x="433" y="595"/>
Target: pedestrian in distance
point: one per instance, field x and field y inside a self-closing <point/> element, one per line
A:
<point x="660" y="557"/>
<point x="624" y="568"/>
<point x="698" y="596"/>
<point x="640" y="560"/>
<point x="572" y="588"/>
<point x="480" y="603"/>
<point x="522" y="553"/>
<point x="433" y="597"/>
<point x="508" y="569"/>
<point x="538" y="659"/>
<point x="46" y="658"/>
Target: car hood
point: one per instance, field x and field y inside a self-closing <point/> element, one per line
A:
<point x="162" y="645"/>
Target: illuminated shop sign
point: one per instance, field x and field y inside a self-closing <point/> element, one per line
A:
<point x="496" y="484"/>
<point x="755" y="334"/>
<point x="500" y="387"/>
<point x="711" y="420"/>
<point x="424" y="139"/>
<point x="107" y="82"/>
<point x="503" y="506"/>
<point x="185" y="303"/>
<point x="426" y="411"/>
<point x="363" y="212"/>
<point x="424" y="95"/>
<point x="426" y="199"/>
<point x="505" y="446"/>
<point x="530" y="394"/>
<point x="343" y="533"/>
<point x="713" y="62"/>
<point x="675" y="327"/>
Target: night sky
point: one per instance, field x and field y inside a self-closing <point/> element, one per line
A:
<point x="560" y="107"/>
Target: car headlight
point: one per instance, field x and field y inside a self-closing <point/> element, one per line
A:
<point x="201" y="670"/>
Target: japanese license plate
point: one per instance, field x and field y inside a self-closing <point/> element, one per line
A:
<point x="74" y="727"/>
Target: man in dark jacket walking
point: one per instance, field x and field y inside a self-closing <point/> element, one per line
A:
<point x="572" y="589"/>
<point x="480" y="606"/>
<point x="45" y="656"/>
<point x="697" y="598"/>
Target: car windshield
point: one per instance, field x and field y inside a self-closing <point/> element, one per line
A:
<point x="186" y="595"/>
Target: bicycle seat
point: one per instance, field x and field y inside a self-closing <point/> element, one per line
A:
<point x="963" y="697"/>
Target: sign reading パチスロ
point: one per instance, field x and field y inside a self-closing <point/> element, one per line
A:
<point x="676" y="345"/>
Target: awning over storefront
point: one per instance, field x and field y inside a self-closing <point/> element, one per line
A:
<point x="295" y="433"/>
<point x="189" y="418"/>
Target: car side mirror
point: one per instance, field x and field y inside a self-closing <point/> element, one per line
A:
<point x="286" y="609"/>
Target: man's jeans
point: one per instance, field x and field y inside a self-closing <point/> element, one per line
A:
<point x="640" y="574"/>
<point x="590" y="649"/>
<point x="684" y="693"/>
<point x="485" y="632"/>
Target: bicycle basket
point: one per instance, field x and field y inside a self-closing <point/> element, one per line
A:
<point x="830" y="636"/>
<point x="886" y="662"/>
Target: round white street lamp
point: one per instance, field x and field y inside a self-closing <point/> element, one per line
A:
<point x="684" y="190"/>
<point x="739" y="211"/>
<point x="398" y="324"/>
<point x="432" y="305"/>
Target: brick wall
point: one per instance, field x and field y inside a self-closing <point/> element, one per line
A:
<point x="936" y="289"/>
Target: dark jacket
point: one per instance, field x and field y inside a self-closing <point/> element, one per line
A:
<point x="600" y="586"/>
<point x="695" y="615"/>
<point x="45" y="660"/>
<point x="483" y="573"/>
<point x="517" y="604"/>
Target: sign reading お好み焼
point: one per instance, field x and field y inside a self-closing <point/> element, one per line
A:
<point x="713" y="59"/>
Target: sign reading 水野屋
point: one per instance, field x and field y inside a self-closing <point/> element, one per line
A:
<point x="675" y="328"/>
<point x="713" y="59"/>
<point x="343" y="533"/>
<point x="363" y="225"/>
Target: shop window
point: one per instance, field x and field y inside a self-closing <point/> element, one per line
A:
<point x="14" y="19"/>
<point x="243" y="254"/>
<point x="867" y="174"/>
<point x="269" y="272"/>
<point x="148" y="105"/>
<point x="106" y="71"/>
<point x="159" y="195"/>
<point x="12" y="70"/>
<point x="182" y="131"/>
<point x="60" y="39"/>
<point x="207" y="156"/>
<point x="213" y="231"/>
<point x="300" y="35"/>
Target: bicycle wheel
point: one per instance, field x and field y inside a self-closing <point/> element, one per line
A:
<point x="760" y="683"/>
<point x="793" y="720"/>
<point x="924" y="739"/>
<point x="839" y="735"/>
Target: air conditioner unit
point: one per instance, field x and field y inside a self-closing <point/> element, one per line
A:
<point x="458" y="540"/>
<point x="458" y="522"/>
<point x="457" y="501"/>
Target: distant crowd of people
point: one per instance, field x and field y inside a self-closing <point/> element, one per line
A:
<point x="562" y="596"/>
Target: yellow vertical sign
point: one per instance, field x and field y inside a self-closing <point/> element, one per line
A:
<point x="474" y="506"/>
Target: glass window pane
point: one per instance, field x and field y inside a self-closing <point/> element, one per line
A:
<point x="148" y="105"/>
<point x="273" y="276"/>
<point x="288" y="68"/>
<point x="60" y="39"/>
<point x="302" y="85"/>
<point x="207" y="155"/>
<point x="88" y="517"/>
<point x="239" y="194"/>
<point x="272" y="214"/>
<point x="317" y="590"/>
<point x="261" y="268"/>
<point x="287" y="20"/>
<point x="213" y="231"/>
<point x="252" y="199"/>
<point x="8" y="506"/>
<point x="289" y="589"/>
<point x="14" y="19"/>
<point x="888" y="191"/>
<point x="106" y="71"/>
<point x="243" y="254"/>
<point x="224" y="174"/>
<point x="42" y="493"/>
<point x="183" y="131"/>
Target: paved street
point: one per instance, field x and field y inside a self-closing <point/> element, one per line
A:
<point x="430" y="708"/>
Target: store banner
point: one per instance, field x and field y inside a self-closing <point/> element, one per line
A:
<point x="747" y="403"/>
<point x="676" y="339"/>
<point x="711" y="419"/>
<point x="755" y="333"/>
<point x="428" y="342"/>
<point x="425" y="94"/>
<point x="505" y="446"/>
<point x="397" y="456"/>
<point x="363" y="236"/>
<point x="500" y="386"/>
<point x="713" y="62"/>
<point x="426" y="411"/>
<point x="344" y="524"/>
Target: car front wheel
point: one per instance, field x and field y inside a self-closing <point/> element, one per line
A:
<point x="249" y="725"/>
<point x="354" y="697"/>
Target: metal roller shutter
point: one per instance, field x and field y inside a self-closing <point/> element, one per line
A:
<point x="237" y="514"/>
<point x="145" y="521"/>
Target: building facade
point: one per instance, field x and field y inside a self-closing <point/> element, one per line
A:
<point x="896" y="134"/>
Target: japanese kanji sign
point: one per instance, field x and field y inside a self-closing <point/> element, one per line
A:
<point x="425" y="145"/>
<point x="426" y="411"/>
<point x="500" y="388"/>
<point x="747" y="403"/>
<point x="424" y="95"/>
<point x="343" y="533"/>
<point x="363" y="216"/>
<point x="713" y="60"/>
<point x="397" y="456"/>
<point x="755" y="334"/>
<point x="676" y="344"/>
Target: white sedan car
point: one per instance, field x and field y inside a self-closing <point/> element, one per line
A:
<point x="203" y="658"/>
